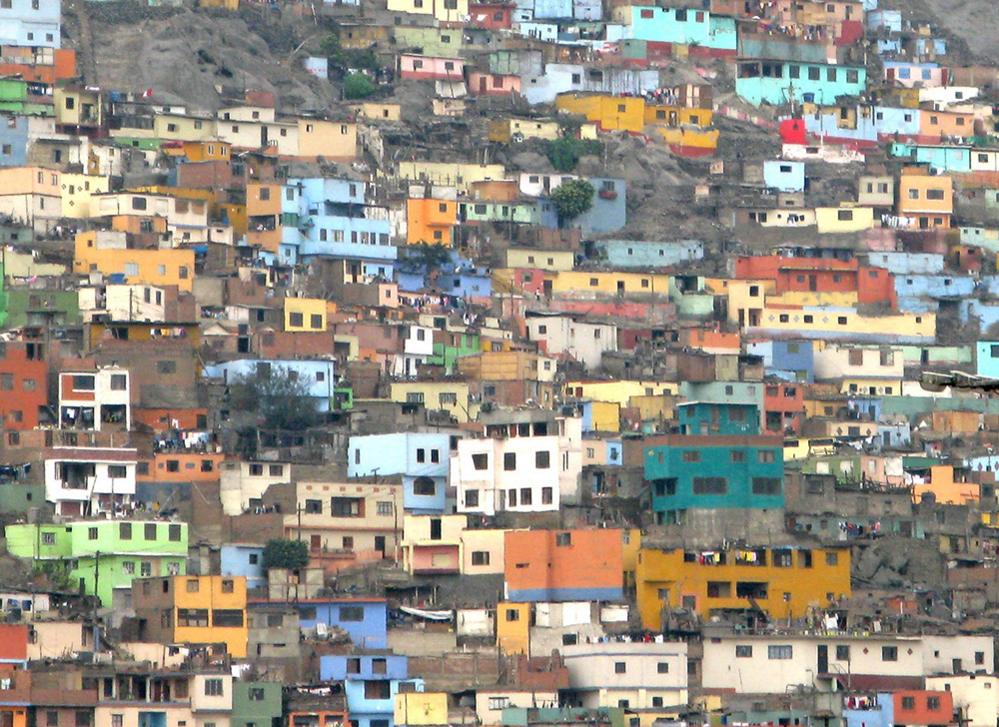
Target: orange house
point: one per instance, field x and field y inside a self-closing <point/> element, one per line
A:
<point x="180" y="466"/>
<point x="203" y="151"/>
<point x="263" y="211"/>
<point x="935" y="124"/>
<point x="430" y="221"/>
<point x="922" y="706"/>
<point x="564" y="565"/>
<point x="13" y="646"/>
<point x="927" y="201"/>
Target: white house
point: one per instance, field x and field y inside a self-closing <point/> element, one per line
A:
<point x="584" y="341"/>
<point x="632" y="675"/>
<point x="95" y="400"/>
<point x="90" y="480"/>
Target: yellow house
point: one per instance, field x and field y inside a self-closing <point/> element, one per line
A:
<point x="513" y="627"/>
<point x="76" y="191"/>
<point x="213" y="594"/>
<point x="610" y="283"/>
<point x="377" y="111"/>
<point x="610" y="113"/>
<point x="606" y="416"/>
<point x="631" y="544"/>
<point x="745" y="297"/>
<point x="619" y="392"/>
<point x="448" y="174"/>
<point x="446" y="11"/>
<point x="333" y="140"/>
<point x="180" y="127"/>
<point x="873" y="386"/>
<point x="78" y="106"/>
<point x="848" y="324"/>
<point x="803" y="448"/>
<point x="305" y="314"/>
<point x="551" y="260"/>
<point x="843" y="219"/>
<point x="513" y="129"/>
<point x="449" y="396"/>
<point x="784" y="582"/>
<point x="420" y="709"/>
<point x="801" y="298"/>
<point x="157" y="267"/>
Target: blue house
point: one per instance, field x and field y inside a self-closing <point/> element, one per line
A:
<point x="317" y="376"/>
<point x="890" y="20"/>
<point x="779" y="82"/>
<point x="13" y="140"/>
<point x="784" y="176"/>
<point x="684" y="26"/>
<point x="371" y="682"/>
<point x="31" y="23"/>
<point x="365" y="619"/>
<point x="609" y="210"/>
<point x="420" y="457"/>
<point x="244" y="559"/>
<point x="647" y="253"/>
<point x="322" y="217"/>
<point x="987" y="359"/>
<point x="702" y="417"/>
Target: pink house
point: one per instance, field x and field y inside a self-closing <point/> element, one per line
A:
<point x="431" y="68"/>
<point x="492" y="84"/>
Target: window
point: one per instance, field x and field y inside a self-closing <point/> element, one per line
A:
<point x="766" y="456"/>
<point x="175" y="533"/>
<point x="620" y="667"/>
<point x="166" y="367"/>
<point x="908" y="702"/>
<point x="842" y="652"/>
<point x="832" y="558"/>
<point x="937" y="194"/>
<point x="471" y="498"/>
<point x="662" y="667"/>
<point x="256" y="694"/>
<point x="710" y="485"/>
<point x="852" y="76"/>
<point x="691" y="455"/>
<point x="563" y="540"/>
<point x="351" y="613"/>
<point x="499" y="702"/>
<point x="117" y="471"/>
<point x="377" y="689"/>
<point x="227" y="617"/>
<point x="92" y="533"/>
<point x="193" y="617"/>
<point x="547" y="495"/>
<point x="384" y="508"/>
<point x="193" y="585"/>
<point x="743" y="651"/>
<point x="480" y="557"/>
<point x="813" y="74"/>
<point x="81" y="719"/>
<point x="509" y="461"/>
<point x="766" y="485"/>
<point x="542" y="460"/>
<point x="125" y="531"/>
<point x="83" y="383"/>
<point x="889" y="653"/>
<point x="118" y="382"/>
<point x="933" y="703"/>
<point x="213" y="687"/>
<point x="424" y="486"/>
<point x="480" y="461"/>
<point x="844" y="215"/>
<point x="779" y="651"/>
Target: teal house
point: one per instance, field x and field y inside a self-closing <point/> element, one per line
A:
<point x="779" y="82"/>
<point x="708" y="417"/>
<point x="713" y="472"/>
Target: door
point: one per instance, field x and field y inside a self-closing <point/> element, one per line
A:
<point x="263" y="135"/>
<point x="380" y="544"/>
<point x="823" y="665"/>
<point x="812" y="283"/>
<point x="620" y="287"/>
<point x="547" y="286"/>
<point x="482" y="84"/>
<point x="315" y="542"/>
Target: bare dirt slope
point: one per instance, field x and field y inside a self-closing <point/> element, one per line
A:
<point x="189" y="55"/>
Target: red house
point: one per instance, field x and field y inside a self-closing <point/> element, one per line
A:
<point x="783" y="407"/>
<point x="23" y="385"/>
<point x="491" y="16"/>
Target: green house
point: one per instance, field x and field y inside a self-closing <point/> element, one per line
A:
<point x="40" y="307"/>
<point x="16" y="498"/>
<point x="450" y="346"/>
<point x="713" y="472"/>
<point x="3" y="298"/>
<point x="99" y="557"/>
<point x="343" y="398"/>
<point x="256" y="704"/>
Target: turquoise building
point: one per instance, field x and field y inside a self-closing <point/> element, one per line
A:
<point x="781" y="82"/>
<point x="705" y="417"/>
<point x="713" y="472"/>
<point x="987" y="359"/>
<point x="683" y="26"/>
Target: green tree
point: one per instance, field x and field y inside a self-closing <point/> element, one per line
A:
<point x="281" y="553"/>
<point x="572" y="199"/>
<point x="564" y="153"/>
<point x="279" y="400"/>
<point x="424" y="257"/>
<point x="357" y="85"/>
